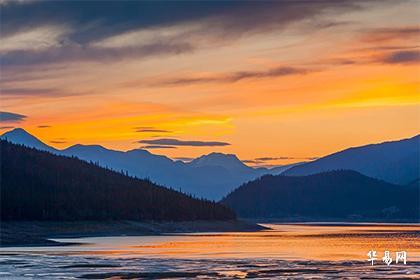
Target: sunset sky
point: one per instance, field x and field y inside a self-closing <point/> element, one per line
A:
<point x="272" y="82"/>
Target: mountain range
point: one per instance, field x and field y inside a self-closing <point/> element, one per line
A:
<point x="378" y="182"/>
<point x="343" y="195"/>
<point x="215" y="175"/>
<point x="37" y="185"/>
<point x="210" y="176"/>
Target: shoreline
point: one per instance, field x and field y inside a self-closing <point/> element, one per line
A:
<point x="328" y="221"/>
<point x="38" y="233"/>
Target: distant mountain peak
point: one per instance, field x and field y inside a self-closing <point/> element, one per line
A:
<point x="141" y="153"/>
<point x="227" y="161"/>
<point x="22" y="137"/>
<point x="82" y="146"/>
<point x="17" y="131"/>
<point x="216" y="158"/>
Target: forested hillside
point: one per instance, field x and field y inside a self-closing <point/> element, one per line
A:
<point x="37" y="185"/>
<point x="339" y="195"/>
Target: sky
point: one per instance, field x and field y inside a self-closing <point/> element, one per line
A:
<point x="272" y="82"/>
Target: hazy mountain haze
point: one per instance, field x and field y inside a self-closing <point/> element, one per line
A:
<point x="210" y="176"/>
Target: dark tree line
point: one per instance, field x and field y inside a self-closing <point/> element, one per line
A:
<point x="38" y="185"/>
<point x="341" y="194"/>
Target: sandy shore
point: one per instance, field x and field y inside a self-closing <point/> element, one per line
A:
<point x="37" y="233"/>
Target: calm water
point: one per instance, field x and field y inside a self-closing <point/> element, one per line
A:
<point x="285" y="251"/>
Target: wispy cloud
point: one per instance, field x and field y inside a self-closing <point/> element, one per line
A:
<point x="43" y="126"/>
<point x="35" y="39"/>
<point x="6" y="127"/>
<point x="158" y="147"/>
<point x="271" y="158"/>
<point x="263" y="160"/>
<point x="11" y="117"/>
<point x="283" y="158"/>
<point x="86" y="53"/>
<point x="74" y="31"/>
<point x="401" y="57"/>
<point x="8" y="91"/>
<point x="58" y="142"/>
<point x="177" y="142"/>
<point x="152" y="129"/>
<point x="385" y="35"/>
<point x="234" y="76"/>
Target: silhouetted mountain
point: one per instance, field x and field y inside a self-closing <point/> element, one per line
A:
<point x="396" y="162"/>
<point x="330" y="195"/>
<point x="38" y="185"/>
<point x="20" y="136"/>
<point x="211" y="176"/>
<point x="139" y="163"/>
<point x="228" y="161"/>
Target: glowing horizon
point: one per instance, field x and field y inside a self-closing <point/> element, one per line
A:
<point x="275" y="79"/>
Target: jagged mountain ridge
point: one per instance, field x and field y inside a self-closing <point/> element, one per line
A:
<point x="210" y="176"/>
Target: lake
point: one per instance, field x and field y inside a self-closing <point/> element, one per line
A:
<point x="285" y="251"/>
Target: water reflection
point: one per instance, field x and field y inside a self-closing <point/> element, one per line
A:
<point x="285" y="250"/>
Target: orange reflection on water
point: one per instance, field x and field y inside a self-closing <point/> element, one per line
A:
<point x="312" y="242"/>
<point x="291" y="242"/>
